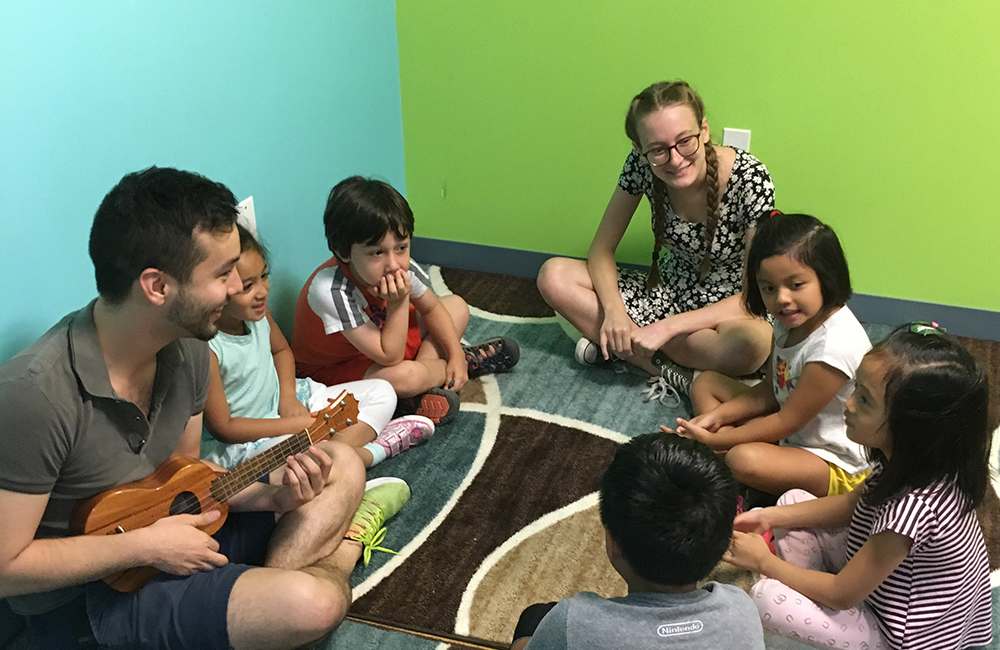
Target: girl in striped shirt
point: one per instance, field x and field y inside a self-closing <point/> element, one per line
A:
<point x="900" y="562"/>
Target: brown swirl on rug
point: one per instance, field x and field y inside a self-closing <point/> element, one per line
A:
<point x="472" y="392"/>
<point x="549" y="565"/>
<point x="989" y="518"/>
<point x="565" y="464"/>
<point x="497" y="293"/>
<point x="556" y="562"/>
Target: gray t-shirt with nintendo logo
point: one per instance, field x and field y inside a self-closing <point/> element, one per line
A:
<point x="714" y="616"/>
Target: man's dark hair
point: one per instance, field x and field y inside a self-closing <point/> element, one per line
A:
<point x="361" y="211"/>
<point x="148" y="220"/>
<point x="807" y="240"/>
<point x="669" y="503"/>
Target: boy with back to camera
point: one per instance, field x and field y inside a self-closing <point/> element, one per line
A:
<point x="667" y="506"/>
<point x="368" y="312"/>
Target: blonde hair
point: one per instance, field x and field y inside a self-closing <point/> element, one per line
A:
<point x="653" y="98"/>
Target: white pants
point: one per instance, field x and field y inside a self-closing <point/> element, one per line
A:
<point x="787" y="612"/>
<point x="376" y="399"/>
<point x="376" y="404"/>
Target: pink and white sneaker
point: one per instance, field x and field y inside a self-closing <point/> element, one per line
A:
<point x="402" y="433"/>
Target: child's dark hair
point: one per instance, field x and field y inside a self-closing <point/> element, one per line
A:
<point x="669" y="503"/>
<point x="361" y="211"/>
<point x="807" y="240"/>
<point x="250" y="243"/>
<point x="937" y="403"/>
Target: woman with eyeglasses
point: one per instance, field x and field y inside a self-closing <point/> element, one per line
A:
<point x="686" y="312"/>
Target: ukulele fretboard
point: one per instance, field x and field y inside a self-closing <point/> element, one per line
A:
<point x="244" y="474"/>
<point x="249" y="471"/>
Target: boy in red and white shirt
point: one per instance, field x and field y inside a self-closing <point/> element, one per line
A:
<point x="368" y="312"/>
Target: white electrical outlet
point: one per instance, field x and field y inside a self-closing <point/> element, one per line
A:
<point x="739" y="138"/>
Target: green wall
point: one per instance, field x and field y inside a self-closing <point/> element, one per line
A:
<point x="879" y="117"/>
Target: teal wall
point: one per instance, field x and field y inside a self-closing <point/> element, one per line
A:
<point x="275" y="99"/>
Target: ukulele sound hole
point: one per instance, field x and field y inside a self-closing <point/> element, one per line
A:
<point x="185" y="503"/>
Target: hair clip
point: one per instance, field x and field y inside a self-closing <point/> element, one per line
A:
<point x="775" y="213"/>
<point x="927" y="328"/>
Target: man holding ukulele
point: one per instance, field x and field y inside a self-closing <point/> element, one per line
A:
<point x="104" y="397"/>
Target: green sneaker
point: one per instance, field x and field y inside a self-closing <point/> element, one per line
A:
<point x="383" y="498"/>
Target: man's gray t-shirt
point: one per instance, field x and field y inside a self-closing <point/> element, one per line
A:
<point x="67" y="434"/>
<point x="714" y="616"/>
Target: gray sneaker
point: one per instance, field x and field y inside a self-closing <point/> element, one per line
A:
<point x="672" y="381"/>
<point x="588" y="353"/>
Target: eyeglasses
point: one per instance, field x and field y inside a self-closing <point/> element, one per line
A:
<point x="686" y="147"/>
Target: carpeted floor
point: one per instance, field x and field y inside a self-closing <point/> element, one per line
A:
<point x="503" y="512"/>
<point x="504" y="499"/>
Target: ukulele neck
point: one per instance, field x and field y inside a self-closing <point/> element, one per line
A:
<point x="340" y="413"/>
<point x="249" y="471"/>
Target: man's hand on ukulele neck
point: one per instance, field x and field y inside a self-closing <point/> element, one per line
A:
<point x="303" y="480"/>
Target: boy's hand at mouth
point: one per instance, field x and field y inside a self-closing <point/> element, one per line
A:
<point x="394" y="287"/>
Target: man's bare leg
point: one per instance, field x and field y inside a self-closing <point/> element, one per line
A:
<point x="296" y="604"/>
<point x="315" y="530"/>
<point x="275" y="608"/>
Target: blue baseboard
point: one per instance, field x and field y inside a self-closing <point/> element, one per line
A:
<point x="963" y="321"/>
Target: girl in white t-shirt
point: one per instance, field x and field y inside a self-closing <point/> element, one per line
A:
<point x="796" y="271"/>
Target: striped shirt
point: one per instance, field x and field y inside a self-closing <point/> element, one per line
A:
<point x="341" y="305"/>
<point x="939" y="596"/>
<point x="331" y="303"/>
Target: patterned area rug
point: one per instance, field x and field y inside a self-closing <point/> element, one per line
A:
<point x="504" y="501"/>
<point x="504" y="510"/>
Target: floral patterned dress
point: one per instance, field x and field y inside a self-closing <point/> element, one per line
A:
<point x="749" y="196"/>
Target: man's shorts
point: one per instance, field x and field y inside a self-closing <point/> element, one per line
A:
<point x="169" y="611"/>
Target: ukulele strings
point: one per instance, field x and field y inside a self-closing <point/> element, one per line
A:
<point x="210" y="497"/>
<point x="254" y="467"/>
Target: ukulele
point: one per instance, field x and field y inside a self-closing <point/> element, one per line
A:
<point x="184" y="485"/>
